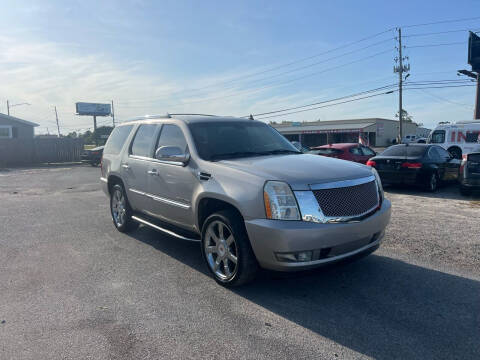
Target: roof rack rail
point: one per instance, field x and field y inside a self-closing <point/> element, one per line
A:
<point x="193" y="114"/>
<point x="145" y="117"/>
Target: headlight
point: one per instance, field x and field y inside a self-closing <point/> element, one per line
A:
<point x="280" y="203"/>
<point x="379" y="183"/>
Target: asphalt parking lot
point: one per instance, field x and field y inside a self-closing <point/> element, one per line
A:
<point x="72" y="287"/>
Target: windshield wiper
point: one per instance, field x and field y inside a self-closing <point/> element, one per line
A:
<point x="281" y="151"/>
<point x="235" y="154"/>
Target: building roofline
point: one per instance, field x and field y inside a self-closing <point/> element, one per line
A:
<point x="13" y="118"/>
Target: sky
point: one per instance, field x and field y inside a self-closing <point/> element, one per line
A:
<point x="231" y="58"/>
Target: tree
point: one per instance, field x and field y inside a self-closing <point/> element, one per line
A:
<point x="406" y="117"/>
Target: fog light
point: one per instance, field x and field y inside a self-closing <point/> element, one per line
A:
<point x="302" y="256"/>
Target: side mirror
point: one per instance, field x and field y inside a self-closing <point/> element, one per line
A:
<point x="172" y="153"/>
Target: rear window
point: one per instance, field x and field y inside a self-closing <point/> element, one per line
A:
<point x="403" y="150"/>
<point x="329" y="151"/>
<point x="117" y="139"/>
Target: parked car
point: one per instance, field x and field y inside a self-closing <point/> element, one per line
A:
<point x="460" y="138"/>
<point x="93" y="156"/>
<point x="416" y="164"/>
<point x="409" y="139"/>
<point x="345" y="151"/>
<point x="244" y="191"/>
<point x="470" y="173"/>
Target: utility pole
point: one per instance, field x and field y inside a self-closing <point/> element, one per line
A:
<point x="56" y="117"/>
<point x="8" y="108"/>
<point x="477" y="101"/>
<point x="95" y="129"/>
<point x="113" y="115"/>
<point x="400" y="69"/>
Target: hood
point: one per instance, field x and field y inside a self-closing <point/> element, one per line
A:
<point x="300" y="171"/>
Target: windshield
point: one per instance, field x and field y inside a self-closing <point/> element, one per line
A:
<point x="437" y="137"/>
<point x="235" y="139"/>
<point x="403" y="150"/>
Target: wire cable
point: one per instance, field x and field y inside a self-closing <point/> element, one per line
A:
<point x="433" y="45"/>
<point x="442" y="22"/>
<point x="328" y="105"/>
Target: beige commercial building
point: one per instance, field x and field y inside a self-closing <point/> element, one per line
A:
<point x="375" y="131"/>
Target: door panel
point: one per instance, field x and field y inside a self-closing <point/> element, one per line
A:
<point x="135" y="166"/>
<point x="171" y="185"/>
<point x="171" y="188"/>
<point x="134" y="173"/>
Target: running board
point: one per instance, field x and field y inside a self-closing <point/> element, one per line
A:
<point x="156" y="227"/>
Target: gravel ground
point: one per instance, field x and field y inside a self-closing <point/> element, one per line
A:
<point x="72" y="287"/>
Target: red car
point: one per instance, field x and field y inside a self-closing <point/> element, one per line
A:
<point x="345" y="151"/>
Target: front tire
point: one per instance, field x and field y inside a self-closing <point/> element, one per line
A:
<point x="121" y="210"/>
<point x="226" y="249"/>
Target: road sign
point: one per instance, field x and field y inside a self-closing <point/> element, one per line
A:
<point x="93" y="109"/>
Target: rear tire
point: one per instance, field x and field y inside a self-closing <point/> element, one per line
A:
<point x="432" y="182"/>
<point x="121" y="210"/>
<point x="226" y="249"/>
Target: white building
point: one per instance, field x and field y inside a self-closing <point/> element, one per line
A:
<point x="376" y="131"/>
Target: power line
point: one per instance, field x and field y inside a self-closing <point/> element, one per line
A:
<point x="442" y="99"/>
<point x="439" y="87"/>
<point x="275" y="84"/>
<point x="433" y="45"/>
<point x="275" y="67"/>
<point x="442" y="22"/>
<point x="325" y="101"/>
<point x="435" y="33"/>
<point x="305" y="66"/>
<point x="328" y="105"/>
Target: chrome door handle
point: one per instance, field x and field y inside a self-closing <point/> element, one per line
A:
<point x="125" y="166"/>
<point x="152" y="172"/>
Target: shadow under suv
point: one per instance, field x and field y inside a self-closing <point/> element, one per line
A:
<point x="244" y="191"/>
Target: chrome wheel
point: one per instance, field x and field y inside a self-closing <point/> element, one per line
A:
<point x="221" y="250"/>
<point x="118" y="207"/>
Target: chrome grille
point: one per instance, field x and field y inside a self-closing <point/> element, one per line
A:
<point x="348" y="201"/>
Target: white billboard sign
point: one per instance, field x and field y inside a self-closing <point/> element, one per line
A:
<point x="93" y="109"/>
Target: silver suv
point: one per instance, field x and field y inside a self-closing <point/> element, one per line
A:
<point x="242" y="190"/>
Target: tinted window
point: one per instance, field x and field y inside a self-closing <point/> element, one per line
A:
<point x="172" y="135"/>
<point x="403" y="150"/>
<point x="356" y="151"/>
<point x="117" y="139"/>
<point x="473" y="137"/>
<point x="367" y="151"/>
<point x="143" y="142"/>
<point x="444" y="154"/>
<point x="326" y="151"/>
<point x="230" y="139"/>
<point x="437" y="137"/>
<point x="474" y="157"/>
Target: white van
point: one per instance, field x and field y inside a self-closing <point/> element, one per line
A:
<point x="460" y="138"/>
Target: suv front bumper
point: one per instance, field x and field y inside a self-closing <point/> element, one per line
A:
<point x="327" y="242"/>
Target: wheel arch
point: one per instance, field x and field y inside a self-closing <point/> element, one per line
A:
<point x="209" y="205"/>
<point x="455" y="148"/>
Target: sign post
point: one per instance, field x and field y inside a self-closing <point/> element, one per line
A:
<point x="93" y="109"/>
<point x="474" y="61"/>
